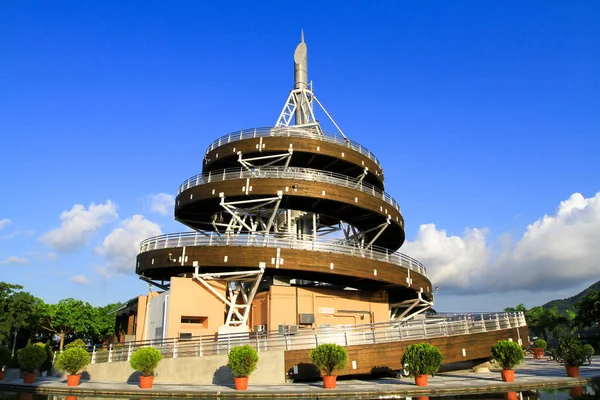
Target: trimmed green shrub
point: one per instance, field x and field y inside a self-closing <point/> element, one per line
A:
<point x="422" y="359"/>
<point x="508" y="354"/>
<point x="589" y="349"/>
<point x="145" y="360"/>
<point x="76" y="343"/>
<point x="31" y="357"/>
<point x="571" y="351"/>
<point x="540" y="344"/>
<point x="329" y="358"/>
<point x="242" y="360"/>
<point x="5" y="357"/>
<point x="73" y="360"/>
<point x="47" y="364"/>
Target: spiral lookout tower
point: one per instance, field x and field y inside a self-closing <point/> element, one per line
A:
<point x="291" y="227"/>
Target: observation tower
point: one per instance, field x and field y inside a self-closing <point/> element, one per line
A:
<point x="289" y="207"/>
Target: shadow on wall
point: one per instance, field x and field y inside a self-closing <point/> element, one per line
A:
<point x="222" y="376"/>
<point x="134" y="378"/>
<point x="383" y="372"/>
<point x="306" y="371"/>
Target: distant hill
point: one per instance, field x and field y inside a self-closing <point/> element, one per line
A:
<point x="569" y="304"/>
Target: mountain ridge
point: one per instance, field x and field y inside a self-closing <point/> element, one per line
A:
<point x="562" y="305"/>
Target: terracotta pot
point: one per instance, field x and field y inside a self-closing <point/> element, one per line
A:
<point x="1" y="375"/>
<point x="511" y="396"/>
<point x="421" y="380"/>
<point x="241" y="383"/>
<point x="73" y="380"/>
<point x="538" y="352"/>
<point x="146" y="382"/>
<point x="70" y="397"/>
<point x="576" y="391"/>
<point x="423" y="398"/>
<point x="508" y="375"/>
<point x="572" y="372"/>
<point x="329" y="381"/>
<point x="28" y="377"/>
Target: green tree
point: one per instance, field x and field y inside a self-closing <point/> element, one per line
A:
<point x="67" y="317"/>
<point x="519" y="307"/>
<point x="102" y="324"/>
<point x="7" y="290"/>
<point x="588" y="310"/>
<point x="547" y="322"/>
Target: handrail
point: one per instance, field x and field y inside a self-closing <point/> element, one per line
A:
<point x="292" y="132"/>
<point x="294" y="338"/>
<point x="299" y="173"/>
<point x="339" y="246"/>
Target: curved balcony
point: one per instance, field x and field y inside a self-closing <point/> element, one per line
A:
<point x="292" y="132"/>
<point x="304" y="174"/>
<point x="282" y="241"/>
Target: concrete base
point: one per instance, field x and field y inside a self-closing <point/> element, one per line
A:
<point x="234" y="330"/>
<point x="193" y="370"/>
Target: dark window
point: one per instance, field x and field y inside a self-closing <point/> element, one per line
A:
<point x="195" y="320"/>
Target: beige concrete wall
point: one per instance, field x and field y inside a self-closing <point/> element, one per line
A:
<point x="189" y="298"/>
<point x="260" y="310"/>
<point x="140" y="326"/>
<point x="365" y="307"/>
<point x="194" y="370"/>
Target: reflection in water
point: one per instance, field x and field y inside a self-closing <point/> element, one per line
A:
<point x="511" y="396"/>
<point x="572" y="393"/>
<point x="576" y="391"/>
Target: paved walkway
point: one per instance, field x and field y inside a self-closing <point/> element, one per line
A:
<point x="532" y="374"/>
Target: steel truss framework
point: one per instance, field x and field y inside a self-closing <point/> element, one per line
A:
<point x="241" y="288"/>
<point x="301" y="100"/>
<point x="408" y="309"/>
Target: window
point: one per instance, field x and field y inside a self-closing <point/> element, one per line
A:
<point x="197" y="321"/>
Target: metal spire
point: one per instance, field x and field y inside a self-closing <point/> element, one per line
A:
<point x="300" y="101"/>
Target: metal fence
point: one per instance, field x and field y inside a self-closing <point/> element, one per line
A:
<point x="394" y="331"/>
<point x="338" y="246"/>
<point x="293" y="132"/>
<point x="297" y="173"/>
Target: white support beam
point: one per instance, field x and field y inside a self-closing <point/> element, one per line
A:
<point x="242" y="284"/>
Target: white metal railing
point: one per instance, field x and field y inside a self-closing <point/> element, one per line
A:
<point x="345" y="335"/>
<point x="339" y="246"/>
<point x="298" y="173"/>
<point x="293" y="132"/>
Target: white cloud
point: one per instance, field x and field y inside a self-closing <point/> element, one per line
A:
<point x="52" y="256"/>
<point x="120" y="247"/>
<point x="556" y="251"/>
<point x="14" y="260"/>
<point x="161" y="203"/>
<point x="78" y="226"/>
<point x="81" y="279"/>
<point x="4" y="223"/>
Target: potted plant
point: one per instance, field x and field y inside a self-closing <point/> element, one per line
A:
<point x="5" y="358"/>
<point x="77" y="343"/>
<point x="145" y="360"/>
<point x="421" y="360"/>
<point x="589" y="352"/>
<point x="73" y="360"/>
<point x="31" y="357"/>
<point x="329" y="358"/>
<point x="573" y="355"/>
<point x="539" y="348"/>
<point x="508" y="355"/>
<point x="242" y="361"/>
<point x="47" y="364"/>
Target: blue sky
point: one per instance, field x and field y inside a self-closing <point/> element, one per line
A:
<point x="483" y="114"/>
